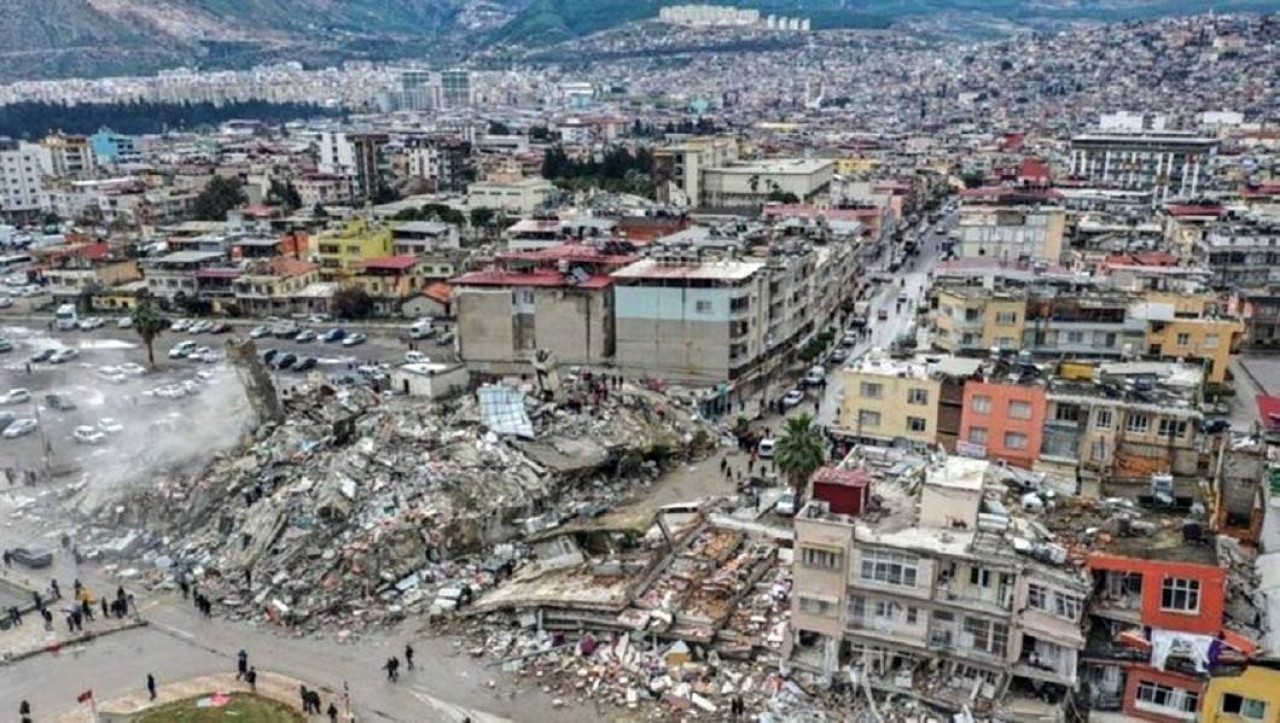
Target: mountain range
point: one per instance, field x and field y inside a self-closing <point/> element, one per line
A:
<point x="56" y="38"/>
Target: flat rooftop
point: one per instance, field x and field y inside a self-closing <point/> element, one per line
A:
<point x="777" y="167"/>
<point x="708" y="270"/>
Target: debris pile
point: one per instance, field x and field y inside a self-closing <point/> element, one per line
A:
<point x="360" y="508"/>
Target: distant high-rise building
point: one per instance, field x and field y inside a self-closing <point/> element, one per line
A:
<point x="1133" y="154"/>
<point x="418" y="90"/>
<point x="455" y="88"/>
<point x="111" y="148"/>
<point x="22" y="193"/>
<point x="67" y="156"/>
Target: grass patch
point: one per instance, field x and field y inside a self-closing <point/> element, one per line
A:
<point x="243" y="708"/>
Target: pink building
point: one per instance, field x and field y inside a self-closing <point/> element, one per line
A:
<point x="1002" y="421"/>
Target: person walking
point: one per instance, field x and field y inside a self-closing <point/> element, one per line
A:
<point x="242" y="664"/>
<point x="252" y="679"/>
<point x="393" y="668"/>
<point x="151" y="686"/>
<point x="408" y="656"/>
<point x="24" y="710"/>
<point x="333" y="712"/>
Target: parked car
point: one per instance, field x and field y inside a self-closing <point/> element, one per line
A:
<point x="355" y="339"/>
<point x="183" y="349"/>
<point x="219" y="327"/>
<point x="305" y="336"/>
<point x="59" y="402"/>
<point x="5" y="345"/>
<point x="765" y="450"/>
<point x="882" y="315"/>
<point x="815" y="376"/>
<point x="33" y="556"/>
<point x="286" y="360"/>
<point x="201" y="327"/>
<point x="132" y="369"/>
<point x="90" y="323"/>
<point x="258" y="332"/>
<point x="124" y="322"/>
<point x="445" y="339"/>
<point x="786" y="506"/>
<point x="180" y="325"/>
<point x="107" y="425"/>
<point x="20" y="428"/>
<point x="840" y="355"/>
<point x="334" y="335"/>
<point x="269" y="355"/>
<point x="88" y="435"/>
<point x="7" y="418"/>
<point x="43" y="355"/>
<point x="305" y="363"/>
<point x="416" y="357"/>
<point x="15" y="396"/>
<point x="791" y="399"/>
<point x="170" y="391"/>
<point x="317" y="318"/>
<point x="285" y="330"/>
<point x="5" y="302"/>
<point x="62" y="356"/>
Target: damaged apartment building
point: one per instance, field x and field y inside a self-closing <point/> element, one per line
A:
<point x="958" y="585"/>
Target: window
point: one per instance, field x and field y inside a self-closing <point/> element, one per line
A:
<point x="702" y="307"/>
<point x="1015" y="440"/>
<point x="1005" y="342"/>
<point x="1184" y="339"/>
<point x="982" y="404"/>
<point x="978" y="435"/>
<point x="1137" y="423"/>
<point x="889" y="567"/>
<point x="822" y="559"/>
<point x="884" y="609"/>
<point x="1007" y="318"/>
<point x="1173" y="428"/>
<point x="1180" y="595"/>
<point x="1102" y="419"/>
<point x="912" y="615"/>
<point x="1249" y="708"/>
<point x="1163" y="696"/>
<point x="1020" y="410"/>
<point x="1066" y="606"/>
<point x="868" y="419"/>
<point x="917" y="396"/>
<point x="814" y="606"/>
<point x="979" y="577"/>
<point x="1066" y="413"/>
<point x="973" y="314"/>
<point x="1211" y="341"/>
<point x="1037" y="597"/>
<point x="988" y="636"/>
<point x="916" y="424"/>
<point x="871" y="390"/>
<point x="1075" y="337"/>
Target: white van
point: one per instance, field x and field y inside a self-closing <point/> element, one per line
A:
<point x="66" y="317"/>
<point x="422" y="329"/>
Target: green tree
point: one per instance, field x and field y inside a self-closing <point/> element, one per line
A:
<point x="482" y="218"/>
<point x="498" y="128"/>
<point x="352" y="302"/>
<point x="148" y="323"/>
<point x="441" y="212"/>
<point x="318" y="211"/>
<point x="219" y="196"/>
<point x="800" y="451"/>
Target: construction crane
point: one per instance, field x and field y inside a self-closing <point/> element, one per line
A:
<point x="243" y="355"/>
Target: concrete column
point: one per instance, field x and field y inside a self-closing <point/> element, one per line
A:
<point x="1106" y="167"/>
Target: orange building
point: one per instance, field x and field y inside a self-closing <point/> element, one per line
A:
<point x="1002" y="421"/>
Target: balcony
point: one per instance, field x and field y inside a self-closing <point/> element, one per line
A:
<point x="886" y="629"/>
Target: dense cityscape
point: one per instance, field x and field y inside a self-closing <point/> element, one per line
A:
<point x="724" y="364"/>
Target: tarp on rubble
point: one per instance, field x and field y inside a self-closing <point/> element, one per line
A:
<point x="502" y="410"/>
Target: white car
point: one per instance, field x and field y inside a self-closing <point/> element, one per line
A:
<point x="183" y="349"/>
<point x="20" y="428"/>
<point x="815" y="376"/>
<point x="786" y="506"/>
<point x="63" y="356"/>
<point x="132" y="370"/>
<point x="191" y="386"/>
<point x="107" y="425"/>
<point x="90" y="323"/>
<point x="180" y="325"/>
<point x="88" y="435"/>
<point x="5" y="302"/>
<point x="765" y="449"/>
<point x="170" y="391"/>
<point x="258" y="332"/>
<point x="791" y="399"/>
<point x="305" y="336"/>
<point x="416" y="357"/>
<point x="125" y="322"/>
<point x="113" y="375"/>
<point x="201" y="327"/>
<point x="15" y="396"/>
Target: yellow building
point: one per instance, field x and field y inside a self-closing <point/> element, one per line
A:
<point x="345" y="251"/>
<point x="1242" y="695"/>
<point x="856" y="165"/>
<point x="1208" y="340"/>
<point x="973" y="319"/>
<point x="887" y="399"/>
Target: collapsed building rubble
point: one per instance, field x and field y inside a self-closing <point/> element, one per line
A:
<point x="360" y="508"/>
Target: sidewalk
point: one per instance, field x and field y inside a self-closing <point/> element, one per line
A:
<point x="30" y="638"/>
<point x="274" y="686"/>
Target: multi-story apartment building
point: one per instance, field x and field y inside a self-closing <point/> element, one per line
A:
<point x="1088" y="325"/>
<point x="1011" y="224"/>
<point x="691" y="321"/>
<point x="521" y="197"/>
<point x="1169" y="164"/>
<point x="1003" y="418"/>
<point x="113" y="149"/>
<point x="66" y="156"/>
<point x="22" y="194"/>
<point x="890" y="400"/>
<point x="974" y="319"/>
<point x="342" y="251"/>
<point x="752" y="183"/>
<point x="417" y="238"/>
<point x="1124" y="420"/>
<point x="678" y="168"/>
<point x="269" y="287"/>
<point x="1241" y="252"/>
<point x="922" y="596"/>
<point x="440" y="160"/>
<point x="560" y="299"/>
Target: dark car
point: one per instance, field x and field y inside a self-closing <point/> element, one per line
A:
<point x="305" y="363"/>
<point x="59" y="402"/>
<point x="286" y="360"/>
<point x="334" y="335"/>
<point x="220" y="327"/>
<point x="32" y="556"/>
<point x="43" y="355"/>
<point x="269" y="355"/>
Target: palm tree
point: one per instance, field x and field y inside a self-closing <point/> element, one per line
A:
<point x="148" y="322"/>
<point x="800" y="452"/>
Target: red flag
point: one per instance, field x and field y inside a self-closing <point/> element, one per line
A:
<point x="87" y="695"/>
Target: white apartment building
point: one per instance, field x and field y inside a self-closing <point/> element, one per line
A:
<point x="22" y="191"/>
<point x="337" y="154"/>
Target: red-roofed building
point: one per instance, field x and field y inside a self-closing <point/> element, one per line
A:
<point x="558" y="298"/>
<point x="77" y="268"/>
<point x="1034" y="173"/>
<point x="271" y="286"/>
